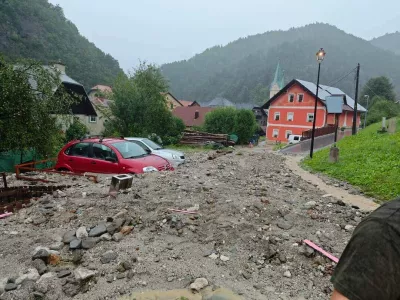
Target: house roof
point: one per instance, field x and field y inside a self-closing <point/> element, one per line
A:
<point x="98" y="101"/>
<point x="324" y="91"/>
<point x="187" y="103"/>
<point x="187" y="114"/>
<point x="102" y="88"/>
<point x="245" y="105"/>
<point x="220" y="102"/>
<point x="84" y="107"/>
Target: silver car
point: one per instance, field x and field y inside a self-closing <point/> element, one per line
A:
<point x="174" y="157"/>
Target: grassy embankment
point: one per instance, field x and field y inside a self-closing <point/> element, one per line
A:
<point x="369" y="160"/>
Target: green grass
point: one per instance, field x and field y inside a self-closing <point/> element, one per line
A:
<point x="369" y="160"/>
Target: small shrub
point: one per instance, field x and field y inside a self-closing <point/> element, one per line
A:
<point x="76" y="130"/>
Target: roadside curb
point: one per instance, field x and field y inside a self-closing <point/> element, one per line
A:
<point x="362" y="202"/>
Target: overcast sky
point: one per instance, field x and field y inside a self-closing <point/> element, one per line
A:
<point x="161" y="31"/>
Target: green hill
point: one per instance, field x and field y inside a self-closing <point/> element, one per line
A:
<point x="240" y="70"/>
<point x="390" y="41"/>
<point x="39" y="30"/>
<point x="370" y="160"/>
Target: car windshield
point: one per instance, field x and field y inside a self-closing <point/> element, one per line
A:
<point x="152" y="145"/>
<point x="130" y="150"/>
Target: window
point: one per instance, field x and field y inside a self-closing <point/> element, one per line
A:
<point x="101" y="151"/>
<point x="130" y="150"/>
<point x="310" y="117"/>
<point x="290" y="116"/>
<point x="79" y="149"/>
<point x="277" y="116"/>
<point x="288" y="132"/>
<point x="300" y="97"/>
<point x="92" y="119"/>
<point x="171" y="105"/>
<point x="291" y="98"/>
<point x="275" y="133"/>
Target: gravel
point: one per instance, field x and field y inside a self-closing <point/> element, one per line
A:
<point x="251" y="209"/>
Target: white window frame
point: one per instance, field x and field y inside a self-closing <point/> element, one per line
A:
<point x="298" y="98"/>
<point x="277" y="114"/>
<point x="91" y="120"/>
<point x="287" y="135"/>
<point x="289" y="98"/>
<point x="273" y="133"/>
<point x="308" y="117"/>
<point x="287" y="116"/>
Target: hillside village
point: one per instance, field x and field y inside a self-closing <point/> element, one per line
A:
<point x="243" y="172"/>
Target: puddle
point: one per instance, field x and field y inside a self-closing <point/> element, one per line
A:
<point x="206" y="294"/>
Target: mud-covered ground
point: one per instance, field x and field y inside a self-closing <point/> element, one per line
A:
<point x="253" y="215"/>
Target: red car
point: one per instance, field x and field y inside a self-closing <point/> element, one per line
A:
<point x="108" y="155"/>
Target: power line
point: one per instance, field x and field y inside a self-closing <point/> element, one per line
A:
<point x="333" y="82"/>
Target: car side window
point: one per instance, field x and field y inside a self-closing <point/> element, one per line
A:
<point x="101" y="151"/>
<point x="80" y="149"/>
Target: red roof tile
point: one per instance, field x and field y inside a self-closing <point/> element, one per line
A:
<point x="187" y="114"/>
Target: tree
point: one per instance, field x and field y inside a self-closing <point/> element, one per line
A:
<point x="245" y="125"/>
<point x="378" y="86"/>
<point x="381" y="107"/>
<point x="220" y="120"/>
<point x="28" y="105"/>
<point x="76" y="130"/>
<point x="139" y="108"/>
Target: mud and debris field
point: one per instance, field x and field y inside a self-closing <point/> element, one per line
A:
<point x="251" y="216"/>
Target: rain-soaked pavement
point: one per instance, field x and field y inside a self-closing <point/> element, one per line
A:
<point x="319" y="142"/>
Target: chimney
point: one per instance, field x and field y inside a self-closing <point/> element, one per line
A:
<point x="196" y="114"/>
<point x="60" y="67"/>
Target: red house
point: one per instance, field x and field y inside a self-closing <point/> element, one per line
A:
<point x="291" y="110"/>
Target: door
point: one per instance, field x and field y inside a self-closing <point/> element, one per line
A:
<point x="78" y="157"/>
<point x="100" y="161"/>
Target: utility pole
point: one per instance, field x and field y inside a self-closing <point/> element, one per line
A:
<point x="315" y="114"/>
<point x="354" y="129"/>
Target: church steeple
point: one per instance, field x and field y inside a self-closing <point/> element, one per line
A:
<point x="279" y="81"/>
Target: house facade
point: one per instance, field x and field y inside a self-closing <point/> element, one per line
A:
<point x="171" y="101"/>
<point x="291" y="110"/>
<point x="98" y="96"/>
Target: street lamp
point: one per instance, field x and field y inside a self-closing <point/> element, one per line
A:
<point x="320" y="57"/>
<point x="366" y="112"/>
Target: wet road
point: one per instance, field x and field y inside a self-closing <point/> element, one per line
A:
<point x="319" y="142"/>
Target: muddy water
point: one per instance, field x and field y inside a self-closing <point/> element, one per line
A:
<point x="219" y="294"/>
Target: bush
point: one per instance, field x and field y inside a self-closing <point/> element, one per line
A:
<point x="230" y="120"/>
<point x="221" y="120"/>
<point x="76" y="130"/>
<point x="245" y="125"/>
<point x="382" y="108"/>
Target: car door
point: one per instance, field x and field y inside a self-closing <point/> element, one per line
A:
<point x="99" y="161"/>
<point x="78" y="157"/>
